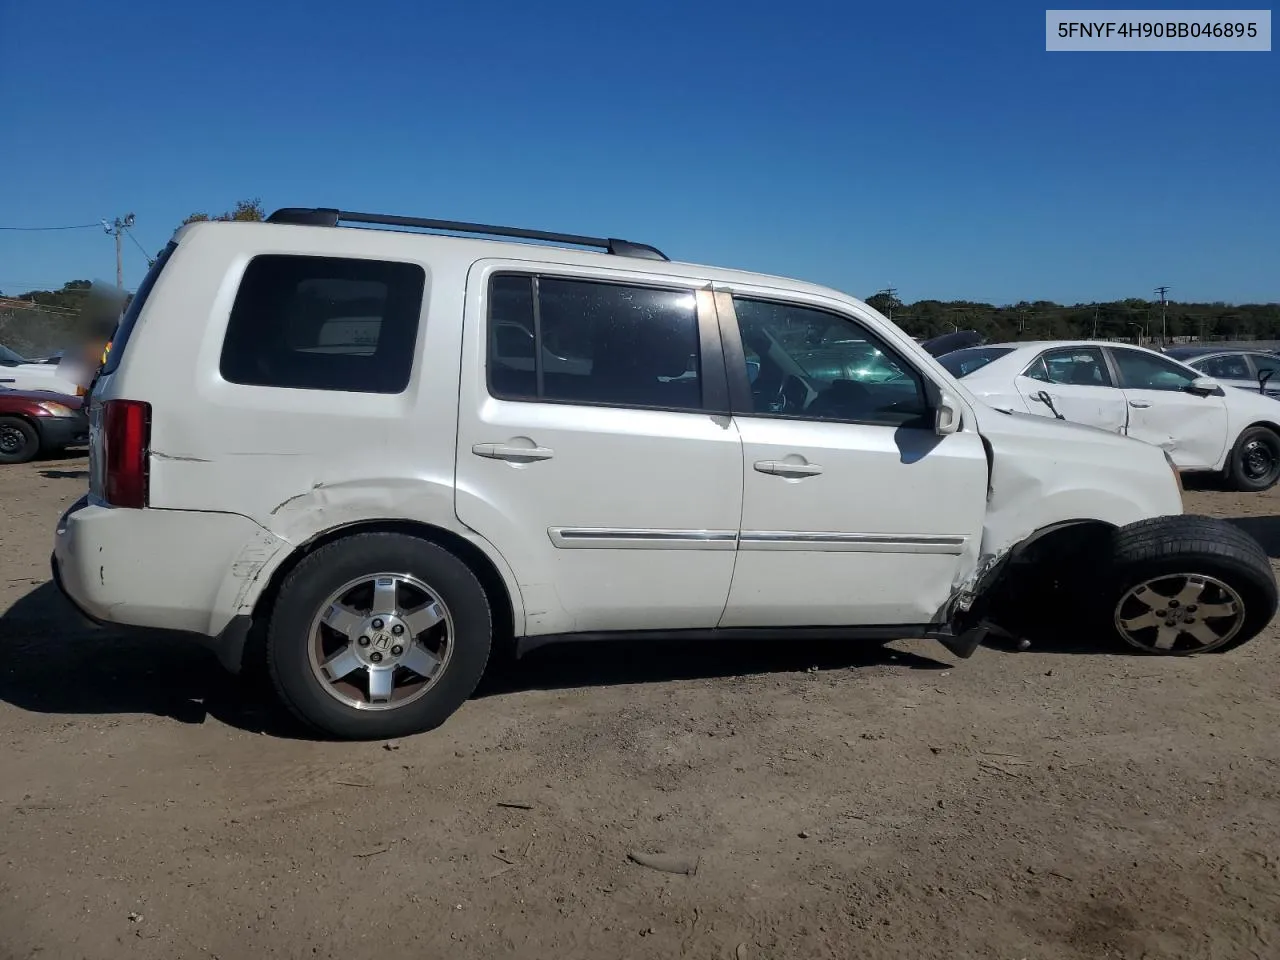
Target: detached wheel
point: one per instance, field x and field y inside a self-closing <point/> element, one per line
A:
<point x="1255" y="460"/>
<point x="19" y="441"/>
<point x="378" y="635"/>
<point x="1186" y="584"/>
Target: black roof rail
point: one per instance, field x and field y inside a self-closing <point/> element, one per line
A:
<point x="329" y="217"/>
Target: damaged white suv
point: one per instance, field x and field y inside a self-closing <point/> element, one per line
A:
<point x="394" y="450"/>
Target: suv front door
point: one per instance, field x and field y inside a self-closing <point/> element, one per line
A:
<point x="854" y="511"/>
<point x="1191" y="427"/>
<point x="605" y="479"/>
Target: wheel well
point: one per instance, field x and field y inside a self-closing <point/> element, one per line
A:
<point x="1264" y="423"/>
<point x="490" y="579"/>
<point x="25" y="418"/>
<point x="1062" y="539"/>
<point x="1046" y="560"/>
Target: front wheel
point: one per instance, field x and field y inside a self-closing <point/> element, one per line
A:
<point x="378" y="635"/>
<point x="1254" y="463"/>
<point x="1180" y="585"/>
<point x="19" y="441"/>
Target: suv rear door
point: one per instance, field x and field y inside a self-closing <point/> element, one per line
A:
<point x="611" y="480"/>
<point x="855" y="512"/>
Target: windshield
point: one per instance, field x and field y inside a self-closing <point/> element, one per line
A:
<point x="8" y="358"/>
<point x="961" y="363"/>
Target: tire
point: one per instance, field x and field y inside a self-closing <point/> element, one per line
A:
<point x="1254" y="463"/>
<point x="302" y="648"/>
<point x="1168" y="572"/>
<point x="19" y="441"/>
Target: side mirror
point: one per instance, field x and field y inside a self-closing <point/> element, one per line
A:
<point x="946" y="419"/>
<point x="1204" y="387"/>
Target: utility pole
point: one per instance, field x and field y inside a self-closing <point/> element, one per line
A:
<point x="116" y="229"/>
<point x="1164" y="330"/>
<point x="1095" y="322"/>
<point x="892" y="294"/>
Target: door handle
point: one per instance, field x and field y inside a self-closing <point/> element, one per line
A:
<point x="781" y="468"/>
<point x="511" y="451"/>
<point x="1140" y="404"/>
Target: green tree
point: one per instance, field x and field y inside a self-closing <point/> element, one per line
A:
<point x="250" y="210"/>
<point x="885" y="302"/>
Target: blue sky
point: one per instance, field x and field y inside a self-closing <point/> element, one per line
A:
<point x="935" y="147"/>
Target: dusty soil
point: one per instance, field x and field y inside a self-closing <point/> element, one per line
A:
<point x="839" y="802"/>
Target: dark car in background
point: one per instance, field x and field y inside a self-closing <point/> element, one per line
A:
<point x="39" y="421"/>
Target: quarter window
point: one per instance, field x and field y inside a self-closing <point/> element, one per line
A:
<point x="578" y="341"/>
<point x="324" y="323"/>
<point x="1077" y="366"/>
<point x="815" y="365"/>
<point x="1141" y="370"/>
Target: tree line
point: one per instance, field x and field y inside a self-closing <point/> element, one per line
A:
<point x="1131" y="319"/>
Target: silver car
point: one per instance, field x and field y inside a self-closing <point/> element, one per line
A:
<point x="1253" y="370"/>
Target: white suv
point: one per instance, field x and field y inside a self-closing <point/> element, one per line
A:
<point x="304" y="426"/>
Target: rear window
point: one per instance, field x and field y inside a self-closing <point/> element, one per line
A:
<point x="961" y="363"/>
<point x="324" y="323"/>
<point x="124" y="329"/>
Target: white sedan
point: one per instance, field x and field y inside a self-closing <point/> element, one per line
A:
<point x="19" y="373"/>
<point x="1135" y="392"/>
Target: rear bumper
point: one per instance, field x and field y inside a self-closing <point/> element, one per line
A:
<point x="170" y="570"/>
<point x="59" y="432"/>
<point x="228" y="645"/>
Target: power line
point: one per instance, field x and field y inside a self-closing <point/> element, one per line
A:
<point x="74" y="226"/>
<point x="149" y="258"/>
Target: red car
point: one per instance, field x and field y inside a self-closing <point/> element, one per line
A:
<point x="35" y="421"/>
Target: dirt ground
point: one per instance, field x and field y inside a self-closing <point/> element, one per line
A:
<point x="839" y="802"/>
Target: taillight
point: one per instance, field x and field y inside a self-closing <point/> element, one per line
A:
<point x="126" y="434"/>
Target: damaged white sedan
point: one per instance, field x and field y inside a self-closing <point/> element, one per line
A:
<point x="1139" y="393"/>
<point x="715" y="454"/>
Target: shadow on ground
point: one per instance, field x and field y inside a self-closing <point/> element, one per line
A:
<point x="52" y="661"/>
<point x="65" y="474"/>
<point x="609" y="663"/>
<point x="1266" y="530"/>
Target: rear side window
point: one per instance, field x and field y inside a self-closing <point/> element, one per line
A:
<point x="120" y="338"/>
<point x="576" y="341"/>
<point x="324" y="323"/>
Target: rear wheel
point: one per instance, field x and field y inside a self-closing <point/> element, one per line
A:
<point x="1187" y="584"/>
<point x="19" y="441"/>
<point x="1255" y="460"/>
<point x="378" y="635"/>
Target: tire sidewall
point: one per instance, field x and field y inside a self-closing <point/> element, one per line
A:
<point x="1239" y="479"/>
<point x="27" y="451"/>
<point x="314" y="580"/>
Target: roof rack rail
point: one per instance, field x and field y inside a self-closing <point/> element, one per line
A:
<point x="329" y="217"/>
